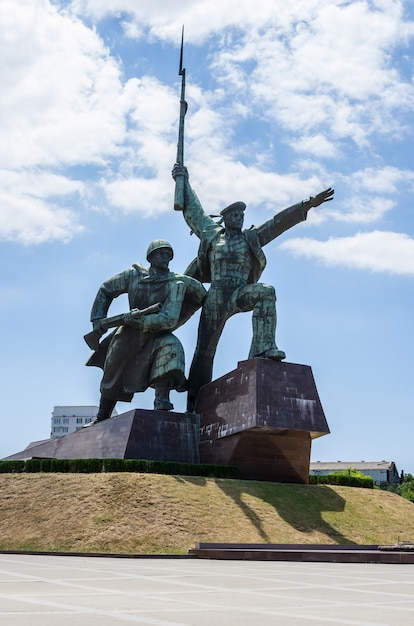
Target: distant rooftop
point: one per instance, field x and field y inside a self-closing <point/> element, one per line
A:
<point x="344" y="465"/>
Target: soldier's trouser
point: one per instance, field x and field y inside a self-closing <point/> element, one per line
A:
<point x="130" y="368"/>
<point x="219" y="305"/>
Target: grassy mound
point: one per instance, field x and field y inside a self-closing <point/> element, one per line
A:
<point x="148" y="513"/>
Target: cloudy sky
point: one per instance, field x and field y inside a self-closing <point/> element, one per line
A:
<point x="285" y="99"/>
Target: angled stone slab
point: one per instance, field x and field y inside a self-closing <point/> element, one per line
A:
<point x="262" y="417"/>
<point x="136" y="434"/>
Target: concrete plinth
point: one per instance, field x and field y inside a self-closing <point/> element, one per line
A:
<point x="137" y="434"/>
<point x="262" y="417"/>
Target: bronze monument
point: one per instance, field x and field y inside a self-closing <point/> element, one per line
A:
<point x="143" y="352"/>
<point x="263" y="415"/>
<point x="232" y="260"/>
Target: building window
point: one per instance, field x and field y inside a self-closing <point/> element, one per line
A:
<point x="66" y="420"/>
<point x="79" y="420"/>
<point x="88" y="420"/>
<point x="56" y="420"/>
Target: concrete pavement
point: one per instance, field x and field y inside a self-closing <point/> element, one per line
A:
<point x="38" y="590"/>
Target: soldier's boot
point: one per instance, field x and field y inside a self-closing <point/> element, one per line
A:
<point x="162" y="399"/>
<point x="106" y="406"/>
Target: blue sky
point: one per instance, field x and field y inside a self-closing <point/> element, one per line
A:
<point x="285" y="99"/>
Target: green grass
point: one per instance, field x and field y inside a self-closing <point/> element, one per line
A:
<point x="148" y="513"/>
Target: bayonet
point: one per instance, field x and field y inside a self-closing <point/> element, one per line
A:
<point x="179" y="181"/>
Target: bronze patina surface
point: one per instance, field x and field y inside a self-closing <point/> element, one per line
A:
<point x="232" y="260"/>
<point x="143" y="352"/>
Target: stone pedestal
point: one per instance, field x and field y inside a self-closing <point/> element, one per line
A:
<point x="137" y="434"/>
<point x="262" y="417"/>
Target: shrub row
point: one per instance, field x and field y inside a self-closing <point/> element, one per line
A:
<point x="345" y="479"/>
<point x="95" y="466"/>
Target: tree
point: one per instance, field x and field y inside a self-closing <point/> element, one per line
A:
<point x="406" y="488"/>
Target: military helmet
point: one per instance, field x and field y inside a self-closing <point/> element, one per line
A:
<point x="156" y="245"/>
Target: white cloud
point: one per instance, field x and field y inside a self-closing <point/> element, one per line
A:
<point x="304" y="70"/>
<point x="31" y="220"/>
<point x="326" y="70"/>
<point x="317" y="145"/>
<point x="317" y="67"/>
<point x="30" y="210"/>
<point x="360" y="209"/>
<point x="367" y="196"/>
<point x="381" y="180"/>
<point x="270" y="191"/>
<point x="148" y="197"/>
<point x="63" y="105"/>
<point x="156" y="105"/>
<point x="378" y="251"/>
<point x="60" y="88"/>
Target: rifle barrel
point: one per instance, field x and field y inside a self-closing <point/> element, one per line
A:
<point x="179" y="182"/>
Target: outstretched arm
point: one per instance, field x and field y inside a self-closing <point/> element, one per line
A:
<point x="291" y="216"/>
<point x="324" y="196"/>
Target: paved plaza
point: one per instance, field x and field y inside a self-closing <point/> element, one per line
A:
<point x="87" y="591"/>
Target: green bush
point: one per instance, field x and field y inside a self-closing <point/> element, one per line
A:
<point x="347" y="478"/>
<point x="113" y="465"/>
<point x="406" y="488"/>
<point x="11" y="467"/>
<point x="96" y="466"/>
<point x="59" y="465"/>
<point x="85" y="466"/>
<point x="45" y="465"/>
<point x="33" y="465"/>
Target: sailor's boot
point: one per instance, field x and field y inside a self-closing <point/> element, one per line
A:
<point x="264" y="327"/>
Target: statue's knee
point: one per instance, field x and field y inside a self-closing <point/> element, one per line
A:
<point x="269" y="292"/>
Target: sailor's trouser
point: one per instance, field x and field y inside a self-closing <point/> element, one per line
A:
<point x="220" y="304"/>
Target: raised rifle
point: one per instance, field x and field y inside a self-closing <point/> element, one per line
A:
<point x="179" y="181"/>
<point x="92" y="338"/>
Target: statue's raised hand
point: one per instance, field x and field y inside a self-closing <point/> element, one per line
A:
<point x="179" y="170"/>
<point x="324" y="196"/>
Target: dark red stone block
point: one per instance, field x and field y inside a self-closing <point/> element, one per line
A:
<point x="262" y="417"/>
<point x="137" y="434"/>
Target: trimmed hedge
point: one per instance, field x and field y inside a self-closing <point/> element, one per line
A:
<point x="11" y="467"/>
<point x="346" y="479"/>
<point x="96" y="466"/>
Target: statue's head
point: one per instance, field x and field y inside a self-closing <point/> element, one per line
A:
<point x="233" y="215"/>
<point x="160" y="248"/>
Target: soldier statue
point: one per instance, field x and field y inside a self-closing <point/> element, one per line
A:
<point x="143" y="352"/>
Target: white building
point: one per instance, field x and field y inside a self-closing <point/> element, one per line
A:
<point x="69" y="419"/>
<point x="383" y="473"/>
